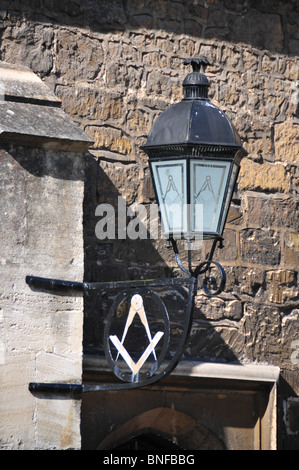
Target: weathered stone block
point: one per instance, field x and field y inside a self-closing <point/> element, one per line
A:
<point x="37" y="325"/>
<point x="59" y="427"/>
<point x="230" y="250"/>
<point x="263" y="30"/>
<point x="77" y="55"/>
<point x="144" y="20"/>
<point x="217" y="308"/>
<point x="251" y="59"/>
<point x="108" y="138"/>
<point x="260" y="146"/>
<point x="266" y="176"/>
<point x="106" y="17"/>
<point x="123" y="180"/>
<point x="31" y="45"/>
<point x="86" y="102"/>
<point x="123" y="76"/>
<point x="158" y="84"/>
<point x="155" y="59"/>
<point x="291" y="250"/>
<point x="111" y="106"/>
<point x="289" y="68"/>
<point x="286" y="142"/>
<point x="269" y="64"/>
<point x="262" y="327"/>
<point x="91" y="104"/>
<point x="148" y="193"/>
<point x="187" y="46"/>
<point x="215" y="343"/>
<point x="16" y="405"/>
<point x="247" y="281"/>
<point x="139" y="122"/>
<point x="260" y="246"/>
<point x="282" y="286"/>
<point x="272" y="211"/>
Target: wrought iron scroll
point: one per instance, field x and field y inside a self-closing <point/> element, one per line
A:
<point x="210" y="285"/>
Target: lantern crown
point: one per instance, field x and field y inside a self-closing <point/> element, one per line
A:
<point x="194" y="123"/>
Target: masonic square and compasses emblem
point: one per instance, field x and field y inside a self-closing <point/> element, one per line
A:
<point x="136" y="334"/>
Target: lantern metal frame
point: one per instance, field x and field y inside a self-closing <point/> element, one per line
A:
<point x="195" y="132"/>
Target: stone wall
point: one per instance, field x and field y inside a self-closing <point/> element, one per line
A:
<point x="41" y="333"/>
<point x="116" y="66"/>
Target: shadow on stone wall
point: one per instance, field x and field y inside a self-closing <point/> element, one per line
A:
<point x="41" y="162"/>
<point x="110" y="260"/>
<point x="271" y="24"/>
<point x="126" y="259"/>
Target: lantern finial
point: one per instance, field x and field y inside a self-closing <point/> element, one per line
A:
<point x="196" y="83"/>
<point x="198" y="64"/>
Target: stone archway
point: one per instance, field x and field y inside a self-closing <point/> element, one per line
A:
<point x="175" y="427"/>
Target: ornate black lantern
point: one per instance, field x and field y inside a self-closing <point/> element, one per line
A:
<point x="194" y="155"/>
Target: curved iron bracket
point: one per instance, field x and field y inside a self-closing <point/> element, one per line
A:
<point x="160" y="368"/>
<point x="131" y="381"/>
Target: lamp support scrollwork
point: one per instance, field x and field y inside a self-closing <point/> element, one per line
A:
<point x="210" y="285"/>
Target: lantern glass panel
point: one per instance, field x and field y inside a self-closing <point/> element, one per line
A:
<point x="208" y="187"/>
<point x="171" y="189"/>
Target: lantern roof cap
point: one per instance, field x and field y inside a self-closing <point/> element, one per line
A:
<point x="194" y="120"/>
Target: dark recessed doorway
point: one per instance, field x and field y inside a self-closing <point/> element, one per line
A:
<point x="148" y="441"/>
